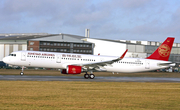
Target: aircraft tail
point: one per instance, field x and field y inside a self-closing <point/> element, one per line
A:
<point x="163" y="51"/>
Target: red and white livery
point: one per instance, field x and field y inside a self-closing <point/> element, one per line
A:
<point x="79" y="63"/>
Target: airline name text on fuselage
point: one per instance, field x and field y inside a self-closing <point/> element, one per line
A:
<point x="42" y="54"/>
<point x="74" y="56"/>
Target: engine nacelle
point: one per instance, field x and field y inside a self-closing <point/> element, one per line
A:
<point x="72" y="69"/>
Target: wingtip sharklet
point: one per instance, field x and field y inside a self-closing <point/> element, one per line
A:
<point x="122" y="56"/>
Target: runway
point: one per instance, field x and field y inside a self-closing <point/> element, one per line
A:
<point x="80" y="78"/>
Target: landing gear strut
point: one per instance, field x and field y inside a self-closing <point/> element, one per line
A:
<point x="91" y="76"/>
<point x="21" y="73"/>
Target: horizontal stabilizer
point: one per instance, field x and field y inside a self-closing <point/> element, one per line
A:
<point x="167" y="64"/>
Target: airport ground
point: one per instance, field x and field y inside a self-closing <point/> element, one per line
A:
<point x="89" y="95"/>
<point x="104" y="74"/>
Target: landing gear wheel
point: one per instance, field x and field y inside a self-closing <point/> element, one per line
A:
<point x="92" y="76"/>
<point x="86" y="76"/>
<point x="21" y="73"/>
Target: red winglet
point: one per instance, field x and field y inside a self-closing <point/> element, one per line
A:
<point x="124" y="54"/>
<point x="163" y="51"/>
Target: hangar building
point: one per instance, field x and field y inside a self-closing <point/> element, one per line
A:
<point x="67" y="43"/>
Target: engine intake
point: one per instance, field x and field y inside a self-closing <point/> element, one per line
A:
<point x="72" y="69"/>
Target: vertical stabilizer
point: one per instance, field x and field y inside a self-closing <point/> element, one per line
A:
<point x="163" y="51"/>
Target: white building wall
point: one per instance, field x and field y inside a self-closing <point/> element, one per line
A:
<point x="131" y="48"/>
<point x="133" y="41"/>
<point x="104" y="47"/>
<point x="140" y="48"/>
<point x="153" y="43"/>
<point x="174" y="44"/>
<point x="24" y="47"/>
<point x="144" y="42"/>
<point x="6" y="49"/>
<point x="136" y="55"/>
<point x="122" y="40"/>
<point x="15" y="47"/>
<point x="1" y="51"/>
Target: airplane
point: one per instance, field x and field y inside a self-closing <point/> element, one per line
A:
<point x="70" y="63"/>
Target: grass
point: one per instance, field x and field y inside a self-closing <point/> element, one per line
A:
<point x="89" y="95"/>
<point x="105" y="74"/>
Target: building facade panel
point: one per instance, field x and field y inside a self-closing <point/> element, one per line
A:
<point x="19" y="47"/>
<point x="175" y="51"/>
<point x="24" y="47"/>
<point x="131" y="48"/>
<point x="65" y="47"/>
<point x="105" y="47"/>
<point x="10" y="48"/>
<point x="33" y="45"/>
<point x="6" y="49"/>
<point x="15" y="47"/>
<point x="139" y="48"/>
<point x="2" y="51"/>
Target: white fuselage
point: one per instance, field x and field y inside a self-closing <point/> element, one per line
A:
<point x="61" y="60"/>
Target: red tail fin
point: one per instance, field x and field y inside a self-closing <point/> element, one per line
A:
<point x="163" y="51"/>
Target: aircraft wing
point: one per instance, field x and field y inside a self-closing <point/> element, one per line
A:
<point x="99" y="65"/>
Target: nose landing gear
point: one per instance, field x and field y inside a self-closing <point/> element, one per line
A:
<point x="21" y="73"/>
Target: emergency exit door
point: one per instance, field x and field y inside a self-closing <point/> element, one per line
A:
<point x="58" y="59"/>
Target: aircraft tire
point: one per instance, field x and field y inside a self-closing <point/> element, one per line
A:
<point x="86" y="76"/>
<point x="92" y="76"/>
<point x="21" y="73"/>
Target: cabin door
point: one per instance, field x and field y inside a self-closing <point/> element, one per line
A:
<point x="23" y="56"/>
<point x="147" y="65"/>
<point x="102" y="59"/>
<point x="58" y="59"/>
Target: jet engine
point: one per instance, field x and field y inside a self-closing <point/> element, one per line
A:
<point x="72" y="69"/>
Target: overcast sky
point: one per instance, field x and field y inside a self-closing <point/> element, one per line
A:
<point x="151" y="20"/>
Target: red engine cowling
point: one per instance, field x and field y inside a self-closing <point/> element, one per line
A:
<point x="72" y="69"/>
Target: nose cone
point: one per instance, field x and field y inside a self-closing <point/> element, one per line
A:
<point x="5" y="60"/>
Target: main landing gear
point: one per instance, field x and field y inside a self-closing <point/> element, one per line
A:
<point x="91" y="76"/>
<point x="21" y="73"/>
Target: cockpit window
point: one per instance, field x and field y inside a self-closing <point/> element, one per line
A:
<point x="12" y="54"/>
